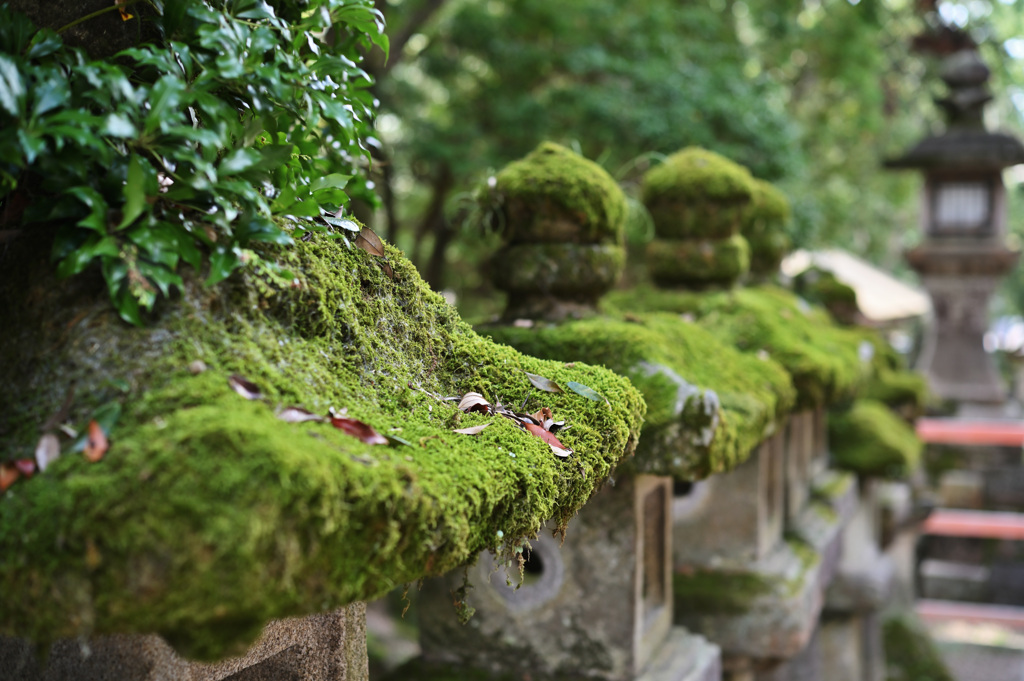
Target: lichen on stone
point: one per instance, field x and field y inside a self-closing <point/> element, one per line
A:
<point x="869" y="439"/>
<point x="708" y="406"/>
<point x="209" y="516"/>
<point x="555" y="195"/>
<point x="910" y="652"/>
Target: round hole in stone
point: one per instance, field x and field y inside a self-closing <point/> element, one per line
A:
<point x="543" y="575"/>
<point x="681" y="488"/>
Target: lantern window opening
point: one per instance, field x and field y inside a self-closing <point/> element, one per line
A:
<point x="961" y="206"/>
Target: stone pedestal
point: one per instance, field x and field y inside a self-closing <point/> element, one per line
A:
<point x="961" y="278"/>
<point x="596" y="605"/>
<point x="325" y="647"/>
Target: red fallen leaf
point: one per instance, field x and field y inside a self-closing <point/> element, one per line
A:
<point x="26" y="466"/>
<point x="556" y="446"/>
<point x="9" y="473"/>
<point x="298" y="415"/>
<point x="474" y="402"/>
<point x="47" y="451"/>
<point x="358" y="429"/>
<point x="246" y="389"/>
<point x="96" y="446"/>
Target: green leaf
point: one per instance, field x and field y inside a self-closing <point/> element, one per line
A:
<point x="12" y="87"/>
<point x="163" y="277"/>
<point x="83" y="256"/>
<point x="128" y="307"/>
<point x="164" y="98"/>
<point x="223" y="261"/>
<point x="97" y="218"/>
<point x="259" y="228"/>
<point x="583" y="390"/>
<point x="332" y="181"/>
<point x="238" y="161"/>
<point x="117" y="125"/>
<point x="134" y="192"/>
<point x="43" y="43"/>
<point x="49" y="94"/>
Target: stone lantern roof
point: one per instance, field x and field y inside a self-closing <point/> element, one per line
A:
<point x="965" y="145"/>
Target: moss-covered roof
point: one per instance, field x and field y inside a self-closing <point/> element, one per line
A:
<point x="869" y="439"/>
<point x="553" y="183"/>
<point x="698" y="174"/>
<point x="823" y="359"/>
<point x="208" y="515"/>
<point x="728" y="400"/>
<point x="767" y="204"/>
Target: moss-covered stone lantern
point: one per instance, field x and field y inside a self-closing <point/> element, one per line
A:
<point x="563" y="219"/>
<point x="963" y="219"/>
<point x="698" y="201"/>
<point x="763" y="227"/>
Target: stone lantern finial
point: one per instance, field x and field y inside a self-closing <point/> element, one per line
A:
<point x="966" y="75"/>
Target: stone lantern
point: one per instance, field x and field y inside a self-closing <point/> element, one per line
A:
<point x="963" y="254"/>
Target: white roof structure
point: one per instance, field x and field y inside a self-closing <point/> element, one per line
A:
<point x="881" y="297"/>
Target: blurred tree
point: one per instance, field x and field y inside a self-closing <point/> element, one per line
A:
<point x="810" y="95"/>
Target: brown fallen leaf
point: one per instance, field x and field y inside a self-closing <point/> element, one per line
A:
<point x="474" y="402"/>
<point x="298" y="415"/>
<point x="368" y="240"/>
<point x="471" y="430"/>
<point x="97" y="445"/>
<point x="9" y="474"/>
<point x="358" y="429"/>
<point x="243" y="387"/>
<point x="541" y="383"/>
<point x="26" y="467"/>
<point x="47" y="451"/>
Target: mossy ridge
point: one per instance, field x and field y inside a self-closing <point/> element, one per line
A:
<point x="665" y="357"/>
<point x="823" y="359"/>
<point x="763" y="226"/>
<point x="553" y="182"/>
<point x="703" y="592"/>
<point x="910" y="653"/>
<point x="869" y="439"/>
<point x="208" y="516"/>
<point x="698" y="174"/>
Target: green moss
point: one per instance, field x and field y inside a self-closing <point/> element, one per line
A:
<point x="708" y="405"/>
<point x="869" y="439"/>
<point x="764" y="225"/>
<point x="574" y="271"/>
<point x="696" y="193"/>
<point x="718" y="592"/>
<point x="910" y="653"/>
<point x="821" y="287"/>
<point x="832" y="485"/>
<point x="556" y="195"/>
<point x="698" y="263"/>
<point x="209" y="516"/>
<point x="899" y="389"/>
<point x="823" y="359"/>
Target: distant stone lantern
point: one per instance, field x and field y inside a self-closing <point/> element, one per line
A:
<point x="963" y="254"/>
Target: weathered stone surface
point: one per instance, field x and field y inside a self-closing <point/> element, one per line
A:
<point x="738" y="517"/>
<point x="325" y="647"/>
<point x="765" y="610"/>
<point x="598" y="605"/>
<point x="685" y="657"/>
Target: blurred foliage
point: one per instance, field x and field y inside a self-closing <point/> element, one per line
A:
<point x="812" y="96"/>
<point x="238" y="122"/>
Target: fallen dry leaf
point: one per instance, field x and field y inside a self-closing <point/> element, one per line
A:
<point x="471" y="430"/>
<point x="298" y="415"/>
<point x="557" y="447"/>
<point x="97" y="445"/>
<point x="545" y="384"/>
<point x="9" y="474"/>
<point x="474" y="402"/>
<point x="368" y="240"/>
<point x="26" y="467"/>
<point x="358" y="429"/>
<point x="47" y="451"/>
<point x="243" y="387"/>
